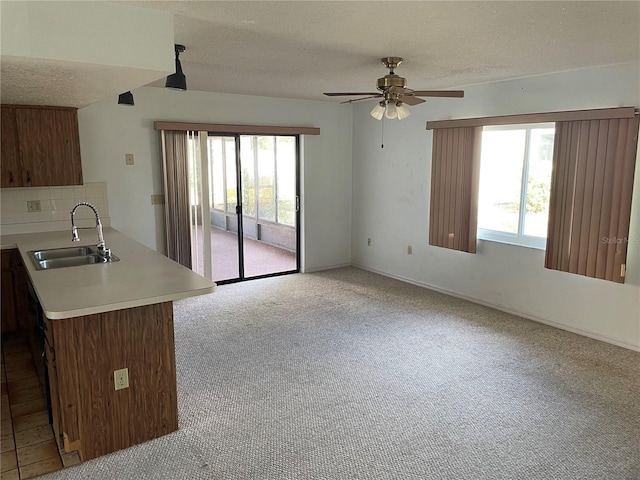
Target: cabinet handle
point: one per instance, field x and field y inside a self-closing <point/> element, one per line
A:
<point x="28" y="177"/>
<point x="10" y="177"/>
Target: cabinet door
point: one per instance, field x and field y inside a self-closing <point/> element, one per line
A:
<point x="49" y="146"/>
<point x="20" y="289"/>
<point x="69" y="165"/>
<point x="11" y="173"/>
<point x="8" y="305"/>
<point x="8" y="321"/>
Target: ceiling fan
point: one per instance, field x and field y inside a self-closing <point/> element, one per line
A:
<point x="395" y="94"/>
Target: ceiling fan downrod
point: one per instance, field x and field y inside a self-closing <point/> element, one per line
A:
<point x="391" y="79"/>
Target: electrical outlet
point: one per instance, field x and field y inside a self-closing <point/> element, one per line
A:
<point x="121" y="378"/>
<point x="33" y="206"/>
<point x="368" y="242"/>
<point x="410" y="250"/>
<point x="128" y="158"/>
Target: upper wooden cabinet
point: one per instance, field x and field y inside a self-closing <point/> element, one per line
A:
<point x="40" y="146"/>
<point x="10" y="166"/>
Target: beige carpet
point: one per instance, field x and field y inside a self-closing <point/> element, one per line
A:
<point x="345" y="374"/>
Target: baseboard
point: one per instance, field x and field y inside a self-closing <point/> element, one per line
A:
<point x="502" y="308"/>
<point x="332" y="267"/>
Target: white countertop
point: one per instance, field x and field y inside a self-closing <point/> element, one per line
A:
<point x="141" y="277"/>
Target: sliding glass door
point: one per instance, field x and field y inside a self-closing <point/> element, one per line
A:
<point x="251" y="223"/>
<point x="268" y="177"/>
<point x="225" y="249"/>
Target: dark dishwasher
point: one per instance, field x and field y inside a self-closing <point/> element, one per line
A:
<point x="37" y="333"/>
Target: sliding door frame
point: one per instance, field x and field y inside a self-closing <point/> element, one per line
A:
<point x="240" y="206"/>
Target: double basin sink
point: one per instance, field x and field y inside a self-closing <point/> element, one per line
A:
<point x="68" y="257"/>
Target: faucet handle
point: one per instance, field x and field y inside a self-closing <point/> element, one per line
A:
<point x="104" y="252"/>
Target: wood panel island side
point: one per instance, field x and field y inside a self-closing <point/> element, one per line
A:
<point x="100" y="319"/>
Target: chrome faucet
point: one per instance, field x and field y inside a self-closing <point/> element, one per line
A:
<point x="102" y="248"/>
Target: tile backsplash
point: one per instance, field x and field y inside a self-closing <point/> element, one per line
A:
<point x="56" y="204"/>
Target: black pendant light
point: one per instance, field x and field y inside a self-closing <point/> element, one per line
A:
<point x="126" y="99"/>
<point x="177" y="81"/>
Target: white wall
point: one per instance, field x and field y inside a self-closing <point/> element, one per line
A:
<point x="83" y="32"/>
<point x="71" y="53"/>
<point x="391" y="206"/>
<point x="108" y="131"/>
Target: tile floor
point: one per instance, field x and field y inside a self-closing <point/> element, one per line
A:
<point x="29" y="448"/>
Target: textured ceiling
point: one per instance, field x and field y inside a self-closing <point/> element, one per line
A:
<point x="48" y="82"/>
<point x="77" y="53"/>
<point x="303" y="48"/>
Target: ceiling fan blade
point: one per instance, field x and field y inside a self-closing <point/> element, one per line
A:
<point x="411" y="100"/>
<point x="439" y="93"/>
<point x="332" y="94"/>
<point x="358" y="99"/>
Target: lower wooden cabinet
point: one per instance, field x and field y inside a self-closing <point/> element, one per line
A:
<point x="89" y="415"/>
<point x="81" y="354"/>
<point x="52" y="382"/>
<point x="9" y="323"/>
<point x="14" y="295"/>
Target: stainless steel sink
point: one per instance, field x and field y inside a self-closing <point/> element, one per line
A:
<point x="68" y="257"/>
<point x="64" y="252"/>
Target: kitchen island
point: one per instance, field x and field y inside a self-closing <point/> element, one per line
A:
<point x="108" y="340"/>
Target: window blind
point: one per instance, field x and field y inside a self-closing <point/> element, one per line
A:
<point x="455" y="174"/>
<point x="177" y="222"/>
<point x="591" y="193"/>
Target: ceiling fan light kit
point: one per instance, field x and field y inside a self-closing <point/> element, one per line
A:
<point x="403" y="111"/>
<point x="391" y="112"/>
<point x="378" y="111"/>
<point x="395" y="94"/>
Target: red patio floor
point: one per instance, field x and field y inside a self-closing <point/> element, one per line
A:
<point x="259" y="258"/>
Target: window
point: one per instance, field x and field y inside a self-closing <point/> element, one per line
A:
<point x="285" y="173"/>
<point x="515" y="183"/>
<point x="501" y="191"/>
<point x="216" y="172"/>
<point x="266" y="178"/>
<point x="268" y="173"/>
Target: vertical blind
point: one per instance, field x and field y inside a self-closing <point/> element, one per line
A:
<point x="176" y="178"/>
<point x="591" y="187"/>
<point x="184" y="215"/>
<point x="455" y="174"/>
<point x="591" y="193"/>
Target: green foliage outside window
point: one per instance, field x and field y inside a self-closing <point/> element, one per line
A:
<point x="279" y="208"/>
<point x="537" y="196"/>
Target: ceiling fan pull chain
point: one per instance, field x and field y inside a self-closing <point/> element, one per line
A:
<point x="382" y="133"/>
